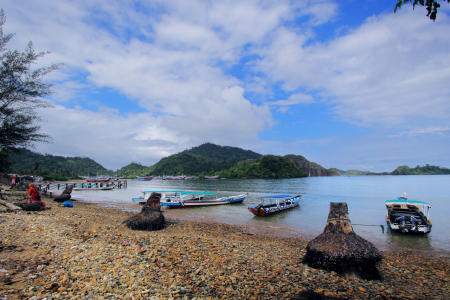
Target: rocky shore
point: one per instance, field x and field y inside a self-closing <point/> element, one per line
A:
<point x="86" y="252"/>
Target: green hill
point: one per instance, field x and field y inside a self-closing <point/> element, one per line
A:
<point x="351" y="172"/>
<point x="310" y="168"/>
<point x="424" y="170"/>
<point x="268" y="166"/>
<point x="223" y="153"/>
<point x="206" y="159"/>
<point x="402" y="170"/>
<point x="132" y="170"/>
<point x="27" y="162"/>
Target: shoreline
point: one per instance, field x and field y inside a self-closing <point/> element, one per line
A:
<point x="86" y="251"/>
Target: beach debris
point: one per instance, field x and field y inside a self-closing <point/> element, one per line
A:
<point x="31" y="206"/>
<point x="10" y="206"/>
<point x="150" y="217"/>
<point x="65" y="195"/>
<point x="338" y="248"/>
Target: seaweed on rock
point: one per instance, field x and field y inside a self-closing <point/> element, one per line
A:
<point x="65" y="195"/>
<point x="338" y="248"/>
<point x="30" y="206"/>
<point x="150" y="218"/>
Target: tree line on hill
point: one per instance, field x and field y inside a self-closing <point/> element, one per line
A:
<point x="205" y="160"/>
<point x="401" y="170"/>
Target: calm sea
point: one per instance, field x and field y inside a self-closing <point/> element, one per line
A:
<point x="365" y="196"/>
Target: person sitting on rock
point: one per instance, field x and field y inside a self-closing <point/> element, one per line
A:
<point x="34" y="196"/>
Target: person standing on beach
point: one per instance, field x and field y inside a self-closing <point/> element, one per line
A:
<point x="34" y="196"/>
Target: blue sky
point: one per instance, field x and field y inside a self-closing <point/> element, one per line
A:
<point x="347" y="84"/>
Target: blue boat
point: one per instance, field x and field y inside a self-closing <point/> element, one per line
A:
<point x="274" y="203"/>
<point x="408" y="216"/>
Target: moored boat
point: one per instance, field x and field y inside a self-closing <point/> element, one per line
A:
<point x="408" y="216"/>
<point x="212" y="177"/>
<point x="274" y="203"/>
<point x="165" y="195"/>
<point x="196" y="199"/>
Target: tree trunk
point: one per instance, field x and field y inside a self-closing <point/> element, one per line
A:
<point x="10" y="206"/>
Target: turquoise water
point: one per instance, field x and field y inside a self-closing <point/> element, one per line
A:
<point x="365" y="196"/>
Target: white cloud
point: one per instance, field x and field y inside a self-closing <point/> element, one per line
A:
<point x="391" y="68"/>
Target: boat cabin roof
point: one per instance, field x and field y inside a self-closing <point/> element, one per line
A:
<point x="182" y="192"/>
<point x="277" y="196"/>
<point x="406" y="201"/>
<point x="163" y="192"/>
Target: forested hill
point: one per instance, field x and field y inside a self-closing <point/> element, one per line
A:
<point x="351" y="172"/>
<point x="27" y="162"/>
<point x="268" y="166"/>
<point x="418" y="170"/>
<point x="132" y="170"/>
<point x="223" y="153"/>
<point x="206" y="159"/>
<point x="310" y="168"/>
<point x="402" y="170"/>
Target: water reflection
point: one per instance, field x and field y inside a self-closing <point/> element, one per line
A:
<point x="412" y="241"/>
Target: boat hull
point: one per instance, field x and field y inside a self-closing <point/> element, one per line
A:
<point x="271" y="210"/>
<point x="267" y="210"/>
<point x="203" y="202"/>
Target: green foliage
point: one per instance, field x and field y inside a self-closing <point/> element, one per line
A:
<point x="431" y="6"/>
<point x="268" y="166"/>
<point x="351" y="172"/>
<point x="223" y="153"/>
<point x="132" y="170"/>
<point x="310" y="168"/>
<point x="403" y="170"/>
<point x="424" y="170"/>
<point x="25" y="161"/>
<point x="206" y="159"/>
<point x="5" y="161"/>
<point x="21" y="93"/>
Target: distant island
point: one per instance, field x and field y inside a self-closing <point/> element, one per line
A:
<point x="401" y="170"/>
<point x="205" y="160"/>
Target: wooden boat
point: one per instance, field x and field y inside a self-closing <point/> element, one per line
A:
<point x="165" y="195"/>
<point x="408" y="216"/>
<point x="196" y="199"/>
<point x="274" y="203"/>
<point x="212" y="177"/>
<point x="97" y="179"/>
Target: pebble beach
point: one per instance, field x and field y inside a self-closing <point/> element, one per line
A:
<point x="86" y="252"/>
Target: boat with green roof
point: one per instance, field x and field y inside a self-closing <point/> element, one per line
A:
<point x="408" y="216"/>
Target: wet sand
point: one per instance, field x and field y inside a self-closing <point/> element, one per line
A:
<point x="85" y="252"/>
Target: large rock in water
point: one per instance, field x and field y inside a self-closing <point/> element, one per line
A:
<point x="338" y="248"/>
<point x="65" y="195"/>
<point x="150" y="218"/>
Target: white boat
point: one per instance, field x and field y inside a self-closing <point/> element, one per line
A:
<point x="408" y="216"/>
<point x="165" y="195"/>
<point x="197" y="199"/>
<point x="181" y="199"/>
<point x="212" y="177"/>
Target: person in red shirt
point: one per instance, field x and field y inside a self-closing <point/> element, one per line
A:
<point x="34" y="196"/>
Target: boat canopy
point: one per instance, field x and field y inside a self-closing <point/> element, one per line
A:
<point x="277" y="196"/>
<point x="164" y="192"/>
<point x="405" y="201"/>
<point x="197" y="193"/>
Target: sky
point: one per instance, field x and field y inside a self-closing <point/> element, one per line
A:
<point x="346" y="84"/>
